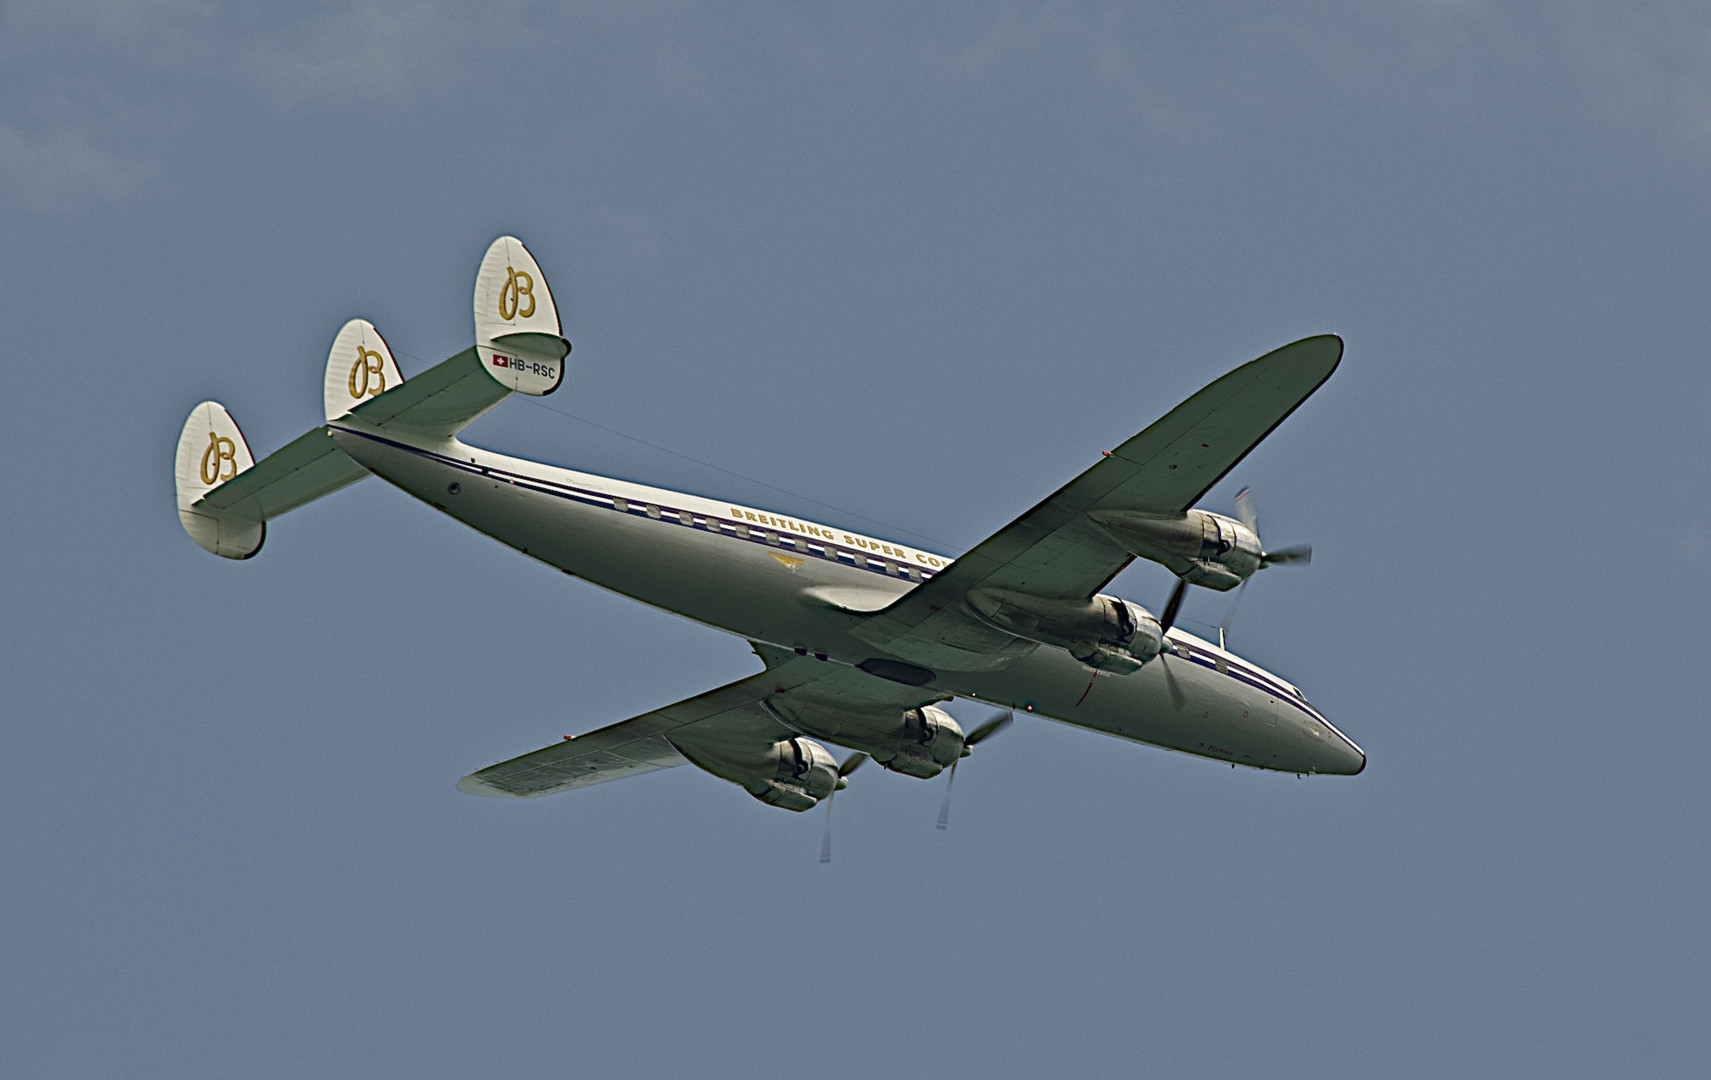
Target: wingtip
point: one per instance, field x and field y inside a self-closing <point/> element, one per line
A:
<point x="474" y="785"/>
<point x="1315" y="357"/>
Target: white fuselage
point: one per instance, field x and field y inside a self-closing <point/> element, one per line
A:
<point x="799" y="585"/>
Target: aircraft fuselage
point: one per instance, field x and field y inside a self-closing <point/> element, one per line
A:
<point x="797" y="585"/>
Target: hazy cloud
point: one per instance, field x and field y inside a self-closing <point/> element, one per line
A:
<point x="626" y="237"/>
<point x="363" y="50"/>
<point x="60" y="168"/>
<point x="128" y="19"/>
<point x="1647" y="67"/>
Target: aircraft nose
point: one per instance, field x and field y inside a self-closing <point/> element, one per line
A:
<point x="1357" y="760"/>
<point x="1347" y="759"/>
<point x="1333" y="752"/>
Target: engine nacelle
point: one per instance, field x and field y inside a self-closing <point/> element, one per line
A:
<point x="925" y="744"/>
<point x="792" y="773"/>
<point x="1199" y="546"/>
<point x="1104" y="633"/>
<point x="798" y="773"/>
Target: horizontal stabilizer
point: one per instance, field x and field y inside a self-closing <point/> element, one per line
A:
<point x="438" y="403"/>
<point x="225" y="498"/>
<point x="299" y="472"/>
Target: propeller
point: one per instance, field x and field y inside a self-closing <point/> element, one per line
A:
<point x="1165" y="621"/>
<point x="1230" y="615"/>
<point x="998" y="723"/>
<point x="1300" y="553"/>
<point x="850" y="765"/>
<point x="1173" y="605"/>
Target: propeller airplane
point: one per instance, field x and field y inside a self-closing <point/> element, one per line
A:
<point x="861" y="639"/>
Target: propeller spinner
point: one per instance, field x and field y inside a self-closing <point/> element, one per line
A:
<point x="1299" y="553"/>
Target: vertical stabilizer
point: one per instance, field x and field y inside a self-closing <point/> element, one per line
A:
<point x="211" y="451"/>
<point x="517" y="332"/>
<point x="359" y="367"/>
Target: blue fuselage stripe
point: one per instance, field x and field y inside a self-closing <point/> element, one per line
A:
<point x="727" y="527"/>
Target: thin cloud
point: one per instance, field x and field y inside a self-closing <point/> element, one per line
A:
<point x="1647" y="67"/>
<point x="376" y="50"/>
<point x="150" y="32"/>
<point x="61" y="169"/>
<point x="628" y="238"/>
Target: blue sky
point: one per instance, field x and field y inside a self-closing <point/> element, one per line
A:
<point x="902" y="268"/>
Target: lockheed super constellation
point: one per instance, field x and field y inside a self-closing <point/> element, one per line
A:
<point x="861" y="638"/>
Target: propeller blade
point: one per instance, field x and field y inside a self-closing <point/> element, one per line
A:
<point x="850" y="765"/>
<point x="985" y="731"/>
<point x="945" y="807"/>
<point x="1301" y="553"/>
<point x="997" y="723"/>
<point x="1173" y="605"/>
<point x="1245" y="510"/>
<point x="826" y="837"/>
<point x="1177" y="697"/>
<point x="1230" y="616"/>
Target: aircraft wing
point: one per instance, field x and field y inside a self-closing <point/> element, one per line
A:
<point x="733" y="717"/>
<point x="1055" y="551"/>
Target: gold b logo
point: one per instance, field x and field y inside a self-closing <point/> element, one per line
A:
<point x="369" y="368"/>
<point x="221" y="452"/>
<point x="519" y="286"/>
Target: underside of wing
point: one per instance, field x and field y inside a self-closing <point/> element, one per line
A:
<point x="611" y="753"/>
<point x="737" y="732"/>
<point x="1056" y="551"/>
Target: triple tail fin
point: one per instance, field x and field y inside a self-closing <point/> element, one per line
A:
<point x="517" y="332"/>
<point x="225" y="498"/>
<point x="212" y="451"/>
<point x="359" y="367"/>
